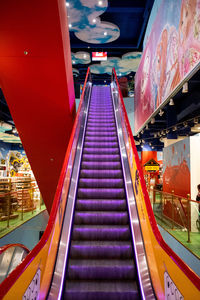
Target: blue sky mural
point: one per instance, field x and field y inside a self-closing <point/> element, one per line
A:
<point x="80" y="57"/>
<point x="84" y="20"/>
<point x="123" y="66"/>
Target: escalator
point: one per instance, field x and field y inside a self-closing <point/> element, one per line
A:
<point x="102" y="240"/>
<point x="101" y="258"/>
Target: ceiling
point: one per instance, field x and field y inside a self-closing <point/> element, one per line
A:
<point x="129" y="19"/>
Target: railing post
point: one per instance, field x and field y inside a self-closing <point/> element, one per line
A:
<point x="9" y="203"/>
<point x="22" y="215"/>
<point x="154" y="198"/>
<point x="172" y="209"/>
<point x="188" y="218"/>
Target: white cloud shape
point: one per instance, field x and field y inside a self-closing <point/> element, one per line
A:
<point x="80" y="57"/>
<point x="124" y="66"/>
<point x="86" y="24"/>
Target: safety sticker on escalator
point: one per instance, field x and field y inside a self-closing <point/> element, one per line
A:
<point x="171" y="291"/>
<point x="33" y="289"/>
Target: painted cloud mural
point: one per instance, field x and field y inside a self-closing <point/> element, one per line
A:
<point x="84" y="21"/>
<point x="80" y="57"/>
<point x="123" y="66"/>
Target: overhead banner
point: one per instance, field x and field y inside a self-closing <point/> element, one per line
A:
<point x="171" y="51"/>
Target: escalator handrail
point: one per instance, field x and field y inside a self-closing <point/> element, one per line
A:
<point x="180" y="263"/>
<point x="15" y="274"/>
<point x="6" y="247"/>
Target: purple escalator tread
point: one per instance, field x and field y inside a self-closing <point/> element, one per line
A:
<point x="101" y="261"/>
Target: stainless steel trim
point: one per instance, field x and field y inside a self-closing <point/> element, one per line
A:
<point x="140" y="254"/>
<point x="63" y="248"/>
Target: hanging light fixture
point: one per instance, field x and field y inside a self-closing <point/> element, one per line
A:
<point x="161" y="112"/>
<point x="171" y="102"/>
<point x="185" y="88"/>
<point x="152" y="120"/>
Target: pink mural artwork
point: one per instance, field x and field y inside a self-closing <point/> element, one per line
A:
<point x="177" y="179"/>
<point x="171" y="52"/>
<point x="176" y="176"/>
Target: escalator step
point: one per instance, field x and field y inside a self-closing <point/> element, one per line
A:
<point x="101" y="290"/>
<point x="101" y="133"/>
<point x="102" y="182"/>
<point x="102" y="129"/>
<point x="101" y="165"/>
<point x="100" y="173"/>
<point x="101" y="204"/>
<point x="101" y="193"/>
<point x="101" y="157"/>
<point x="100" y="139"/>
<point x="101" y="232"/>
<point x="101" y="218"/>
<point x="101" y="250"/>
<point x="100" y="124"/>
<point x="101" y="145"/>
<point x="101" y="269"/>
<point x="100" y="150"/>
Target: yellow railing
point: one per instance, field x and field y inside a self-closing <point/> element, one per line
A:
<point x="173" y="211"/>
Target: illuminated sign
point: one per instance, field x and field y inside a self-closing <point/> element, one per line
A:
<point x="98" y="56"/>
<point x="151" y="168"/>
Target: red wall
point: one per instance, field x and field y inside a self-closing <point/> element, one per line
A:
<point x="38" y="85"/>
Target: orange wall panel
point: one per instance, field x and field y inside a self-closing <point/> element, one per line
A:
<point x="37" y="82"/>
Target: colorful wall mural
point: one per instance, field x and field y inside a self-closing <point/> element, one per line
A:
<point x="176" y="168"/>
<point x="172" y="50"/>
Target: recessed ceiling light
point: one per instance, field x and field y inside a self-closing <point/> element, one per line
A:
<point x="88" y="47"/>
<point x="100" y="2"/>
<point x="70" y="25"/>
<point x="67" y="4"/>
<point x="94" y="20"/>
<point x="120" y="74"/>
<point x="105" y="33"/>
<point x="84" y="55"/>
<point x="73" y="61"/>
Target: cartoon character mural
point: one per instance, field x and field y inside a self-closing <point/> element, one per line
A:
<point x="17" y="163"/>
<point x="172" y="50"/>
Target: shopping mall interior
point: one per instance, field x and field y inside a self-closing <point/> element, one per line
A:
<point x="99" y="149"/>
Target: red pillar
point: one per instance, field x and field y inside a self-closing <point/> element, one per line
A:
<point x="37" y="82"/>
